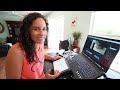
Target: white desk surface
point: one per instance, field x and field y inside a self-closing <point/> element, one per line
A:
<point x="113" y="74"/>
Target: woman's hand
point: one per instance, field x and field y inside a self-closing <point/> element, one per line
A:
<point x="48" y="57"/>
<point x="56" y="57"/>
<point x="50" y="76"/>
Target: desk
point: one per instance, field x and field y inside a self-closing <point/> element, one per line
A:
<point x="49" y="64"/>
<point x="110" y="73"/>
<point x="75" y="49"/>
<point x="113" y="74"/>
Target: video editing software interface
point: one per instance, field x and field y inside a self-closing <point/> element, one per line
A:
<point x="101" y="50"/>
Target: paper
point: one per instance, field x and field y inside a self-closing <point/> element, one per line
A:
<point x="60" y="52"/>
<point x="60" y="65"/>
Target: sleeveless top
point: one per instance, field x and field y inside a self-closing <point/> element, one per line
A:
<point x="34" y="70"/>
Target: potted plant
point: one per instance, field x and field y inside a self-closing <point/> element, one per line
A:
<point x="76" y="36"/>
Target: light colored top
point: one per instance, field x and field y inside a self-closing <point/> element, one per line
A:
<point x="35" y="69"/>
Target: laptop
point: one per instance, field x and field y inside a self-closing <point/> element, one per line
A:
<point x="95" y="59"/>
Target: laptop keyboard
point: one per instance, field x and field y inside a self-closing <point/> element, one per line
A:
<point x="80" y="64"/>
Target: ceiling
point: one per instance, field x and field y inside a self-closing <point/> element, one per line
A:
<point x="22" y="13"/>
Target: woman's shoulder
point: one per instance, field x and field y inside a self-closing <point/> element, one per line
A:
<point x="16" y="49"/>
<point x="15" y="54"/>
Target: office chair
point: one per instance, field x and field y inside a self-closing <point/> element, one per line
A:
<point x="66" y="46"/>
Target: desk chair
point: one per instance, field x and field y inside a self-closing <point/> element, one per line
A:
<point x="66" y="46"/>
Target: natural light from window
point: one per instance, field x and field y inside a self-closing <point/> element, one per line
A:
<point x="105" y="23"/>
<point x="56" y="31"/>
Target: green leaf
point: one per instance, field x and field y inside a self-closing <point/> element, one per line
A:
<point x="76" y="35"/>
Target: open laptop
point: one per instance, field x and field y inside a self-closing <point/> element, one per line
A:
<point x="95" y="59"/>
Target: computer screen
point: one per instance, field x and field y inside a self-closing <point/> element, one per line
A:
<point x="101" y="50"/>
<point x="99" y="46"/>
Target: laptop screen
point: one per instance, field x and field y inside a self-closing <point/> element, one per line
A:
<point x="101" y="50"/>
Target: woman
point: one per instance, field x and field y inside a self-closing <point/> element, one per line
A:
<point x="25" y="59"/>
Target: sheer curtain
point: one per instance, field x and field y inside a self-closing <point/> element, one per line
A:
<point x="56" y="30"/>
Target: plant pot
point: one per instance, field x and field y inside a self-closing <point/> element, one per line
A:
<point x="75" y="43"/>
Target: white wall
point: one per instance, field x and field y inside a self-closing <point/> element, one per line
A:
<point x="82" y="24"/>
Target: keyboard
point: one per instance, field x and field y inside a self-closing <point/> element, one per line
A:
<point x="79" y="64"/>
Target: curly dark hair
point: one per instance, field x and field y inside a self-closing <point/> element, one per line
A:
<point x="26" y="43"/>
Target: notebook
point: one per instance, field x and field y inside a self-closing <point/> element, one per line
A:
<point x="95" y="59"/>
<point x="60" y="65"/>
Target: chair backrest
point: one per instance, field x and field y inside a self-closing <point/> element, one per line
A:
<point x="4" y="50"/>
<point x="64" y="45"/>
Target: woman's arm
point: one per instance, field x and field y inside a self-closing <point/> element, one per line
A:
<point x="14" y="62"/>
<point x="48" y="57"/>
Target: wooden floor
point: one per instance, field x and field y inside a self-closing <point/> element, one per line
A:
<point x="2" y="68"/>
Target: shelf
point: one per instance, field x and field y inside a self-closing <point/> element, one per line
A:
<point x="14" y="30"/>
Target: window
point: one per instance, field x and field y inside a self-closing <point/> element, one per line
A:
<point x="56" y="30"/>
<point x="105" y="23"/>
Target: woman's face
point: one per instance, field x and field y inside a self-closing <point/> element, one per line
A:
<point x="38" y="31"/>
